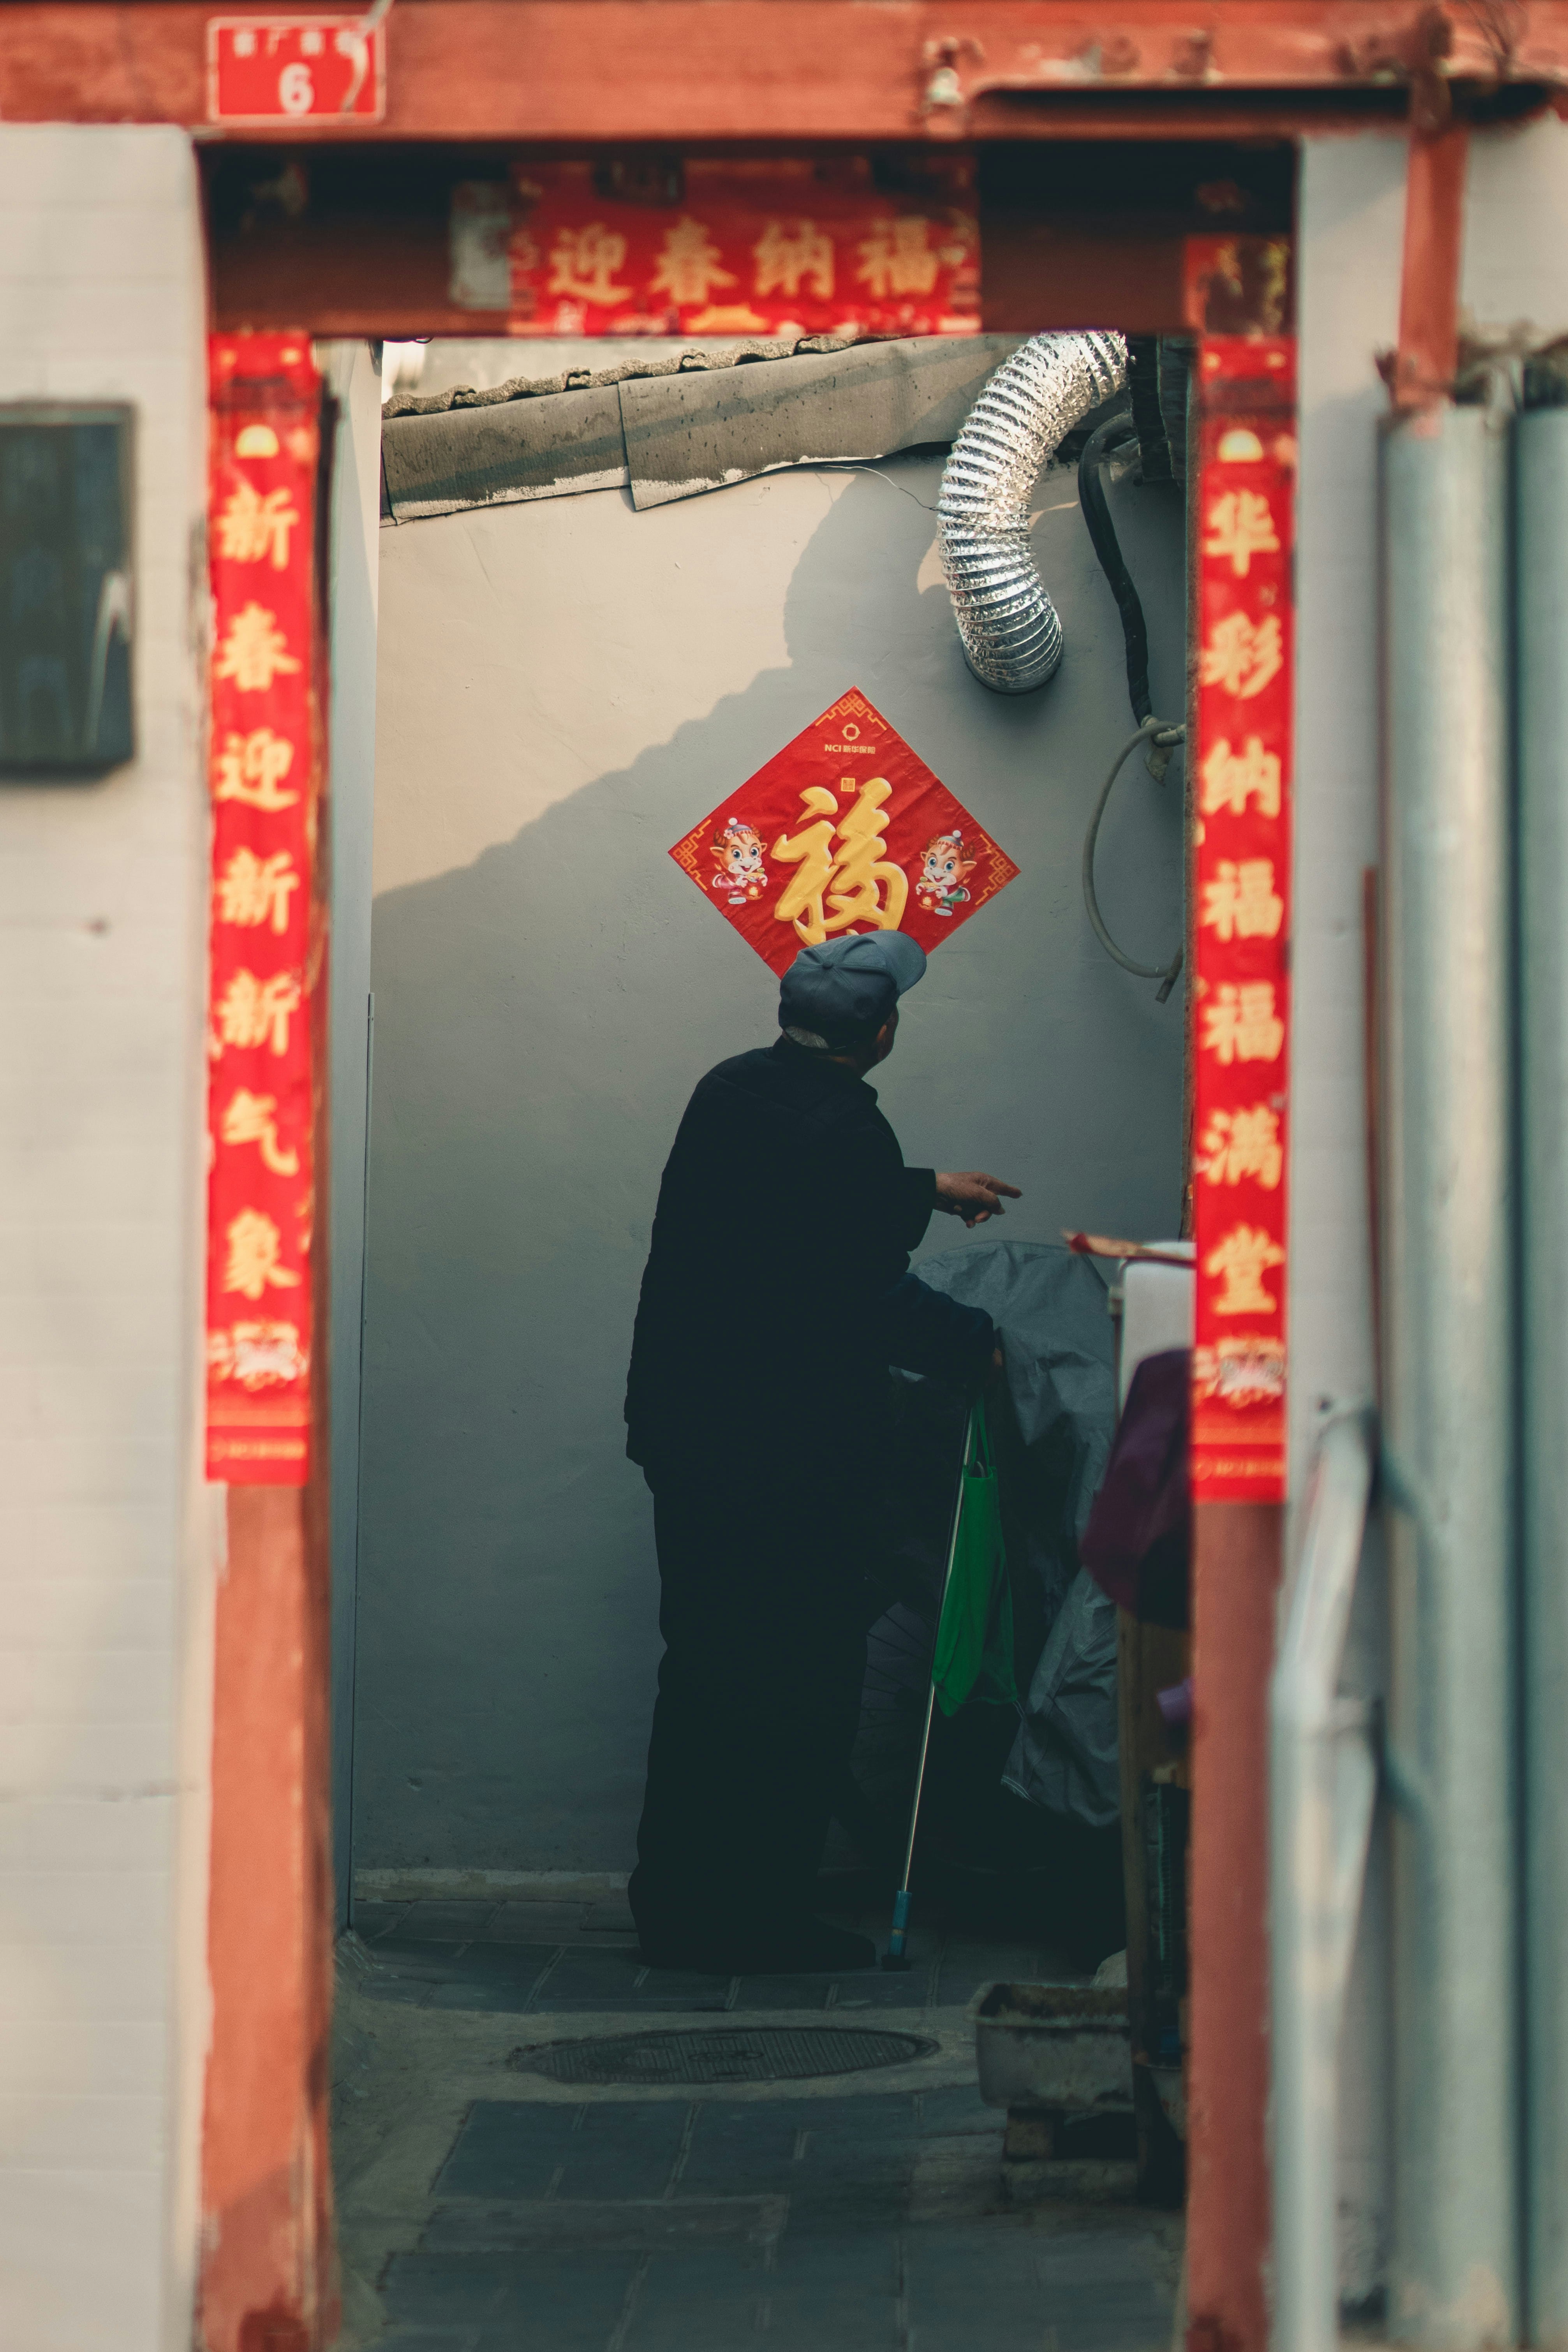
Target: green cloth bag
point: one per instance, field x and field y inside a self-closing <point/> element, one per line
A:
<point x="973" y="1656"/>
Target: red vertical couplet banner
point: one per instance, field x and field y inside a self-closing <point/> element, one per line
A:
<point x="1241" y="994"/>
<point x="266" y="774"/>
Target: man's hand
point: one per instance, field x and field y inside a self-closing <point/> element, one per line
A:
<point x="973" y="1197"/>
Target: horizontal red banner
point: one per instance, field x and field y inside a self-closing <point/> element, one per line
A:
<point x="784" y="249"/>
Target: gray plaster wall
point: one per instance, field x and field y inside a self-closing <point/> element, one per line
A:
<point x="566" y="689"/>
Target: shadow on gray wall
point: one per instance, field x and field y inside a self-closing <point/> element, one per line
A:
<point x="540" y="1017"/>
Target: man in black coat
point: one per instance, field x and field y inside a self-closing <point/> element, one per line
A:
<point x="776" y="1293"/>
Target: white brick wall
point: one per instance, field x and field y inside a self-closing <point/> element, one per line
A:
<point x="104" y="1548"/>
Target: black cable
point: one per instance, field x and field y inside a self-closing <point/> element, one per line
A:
<point x="1102" y="532"/>
<point x="1166" y="737"/>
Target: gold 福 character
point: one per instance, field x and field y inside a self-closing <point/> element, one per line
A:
<point x="810" y="850"/>
<point x="860" y="874"/>
<point x="897" y="258"/>
<point x="1241" y="902"/>
<point x="1240" y="1024"/>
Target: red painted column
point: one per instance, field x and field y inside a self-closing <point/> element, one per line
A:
<point x="1240" y="767"/>
<point x="1236" y="1579"/>
<point x="1428" y="354"/>
<point x="267" y="2279"/>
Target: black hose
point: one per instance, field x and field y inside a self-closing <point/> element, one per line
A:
<point x="1102" y="532"/>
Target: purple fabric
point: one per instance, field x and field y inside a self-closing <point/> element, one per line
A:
<point x="1176" y="1705"/>
<point x="1138" y="1539"/>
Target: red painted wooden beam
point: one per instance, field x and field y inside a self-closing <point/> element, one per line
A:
<point x="1428" y="358"/>
<point x="798" y="70"/>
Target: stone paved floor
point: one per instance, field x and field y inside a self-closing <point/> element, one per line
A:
<point x="487" y="2208"/>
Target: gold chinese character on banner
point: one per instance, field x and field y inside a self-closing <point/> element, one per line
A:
<point x="842" y="864"/>
<point x="251" y="767"/>
<point x="861" y="874"/>
<point x="253" y="526"/>
<point x="690" y="266"/>
<point x="785" y="260"/>
<point x="1241" y="1143"/>
<point x="1242" y="657"/>
<point x="1240" y="1024"/>
<point x="253" y="1119"/>
<point x="253" y="890"/>
<point x="255" y="651"/>
<point x="896" y="259"/>
<point x="1242" y="1259"/>
<point x="584" y="262"/>
<point x="253" y="1011"/>
<point x="811" y="851"/>
<point x="1240" y="526"/>
<point x="255" y="1255"/>
<point x="1241" y="902"/>
<point x="1230" y="779"/>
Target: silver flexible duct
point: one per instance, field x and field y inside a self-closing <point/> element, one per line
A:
<point x="1012" y="637"/>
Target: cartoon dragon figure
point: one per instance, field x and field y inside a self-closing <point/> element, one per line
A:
<point x="736" y="850"/>
<point x="939" y="886"/>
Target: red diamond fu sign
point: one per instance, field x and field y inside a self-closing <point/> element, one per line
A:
<point x="844" y="830"/>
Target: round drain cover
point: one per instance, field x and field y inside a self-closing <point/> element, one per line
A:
<point x="768" y="2054"/>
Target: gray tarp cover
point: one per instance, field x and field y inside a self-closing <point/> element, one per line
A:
<point x="1051" y="1307"/>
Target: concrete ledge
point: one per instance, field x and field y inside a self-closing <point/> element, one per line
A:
<point x="500" y="1885"/>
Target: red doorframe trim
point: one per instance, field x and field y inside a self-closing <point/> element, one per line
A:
<point x="1237" y="1545"/>
<point x="268" y="2270"/>
<point x="823" y="69"/>
<point x="268" y="2257"/>
<point x="1237" y="1551"/>
<point x="267" y="2261"/>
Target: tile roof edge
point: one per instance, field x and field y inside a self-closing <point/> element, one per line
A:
<point x="698" y="360"/>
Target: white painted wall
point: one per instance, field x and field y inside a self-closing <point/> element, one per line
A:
<point x="105" y="1553"/>
<point x="1513" y="279"/>
<point x="1352" y="222"/>
<point x="353" y="381"/>
<point x="566" y="689"/>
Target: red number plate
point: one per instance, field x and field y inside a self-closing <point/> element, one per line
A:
<point x="295" y="70"/>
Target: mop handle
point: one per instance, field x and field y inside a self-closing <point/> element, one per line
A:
<point x="902" y="1899"/>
